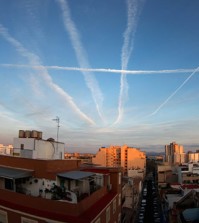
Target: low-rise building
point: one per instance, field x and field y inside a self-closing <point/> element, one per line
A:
<point x="136" y="173"/>
<point x="39" y="190"/>
<point x="57" y="191"/>
<point x="84" y="157"/>
<point x="193" y="156"/>
<point x="130" y="197"/>
<point x="188" y="173"/>
<point x="181" y="203"/>
<point x="30" y="144"/>
<point x="166" y="174"/>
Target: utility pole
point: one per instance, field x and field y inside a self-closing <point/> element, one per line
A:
<point x="57" y="120"/>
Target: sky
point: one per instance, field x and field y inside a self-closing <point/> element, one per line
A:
<point x="114" y="72"/>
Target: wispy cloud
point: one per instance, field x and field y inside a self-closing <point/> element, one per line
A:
<point x="34" y="60"/>
<point x="175" y="92"/>
<point x="132" y="17"/>
<point x="81" y="56"/>
<point x="138" y="133"/>
<point x="7" y="115"/>
<point x="101" y="70"/>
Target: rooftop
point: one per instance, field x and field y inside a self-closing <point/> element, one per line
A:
<point x="75" y="175"/>
<point x="13" y="173"/>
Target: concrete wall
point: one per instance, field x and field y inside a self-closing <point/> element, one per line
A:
<point x="47" y="208"/>
<point x="41" y="149"/>
<point x="47" y="169"/>
<point x="100" y="157"/>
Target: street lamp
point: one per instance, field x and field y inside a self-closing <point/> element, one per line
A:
<point x="57" y="120"/>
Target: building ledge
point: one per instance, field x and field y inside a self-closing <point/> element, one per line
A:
<point x="57" y="210"/>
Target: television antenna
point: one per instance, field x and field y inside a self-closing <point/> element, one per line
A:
<point x="57" y="120"/>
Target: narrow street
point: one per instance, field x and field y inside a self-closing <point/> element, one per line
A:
<point x="149" y="209"/>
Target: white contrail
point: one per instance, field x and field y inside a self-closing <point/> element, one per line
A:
<point x="175" y="92"/>
<point x="35" y="61"/>
<point x="81" y="55"/>
<point x="100" y="70"/>
<point x="132" y="14"/>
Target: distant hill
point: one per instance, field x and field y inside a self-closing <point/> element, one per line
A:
<point x="154" y="153"/>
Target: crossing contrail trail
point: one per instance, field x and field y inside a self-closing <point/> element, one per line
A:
<point x="81" y="55"/>
<point x="100" y="70"/>
<point x="35" y="61"/>
<point x="175" y="92"/>
<point x="132" y="16"/>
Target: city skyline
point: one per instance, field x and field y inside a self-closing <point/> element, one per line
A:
<point x="115" y="72"/>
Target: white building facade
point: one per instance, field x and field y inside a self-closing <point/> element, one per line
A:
<point x="31" y="145"/>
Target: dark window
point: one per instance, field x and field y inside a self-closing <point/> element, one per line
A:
<point x="9" y="184"/>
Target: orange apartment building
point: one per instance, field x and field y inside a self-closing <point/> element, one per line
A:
<point x="128" y="158"/>
<point x="55" y="190"/>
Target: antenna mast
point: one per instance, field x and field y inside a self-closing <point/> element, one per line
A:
<point x="57" y="120"/>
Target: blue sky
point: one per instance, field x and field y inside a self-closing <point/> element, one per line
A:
<point x="115" y="72"/>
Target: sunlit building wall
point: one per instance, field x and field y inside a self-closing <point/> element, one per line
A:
<point x="183" y="158"/>
<point x="124" y="156"/>
<point x="193" y="157"/>
<point x="6" y="150"/>
<point x="174" y="153"/>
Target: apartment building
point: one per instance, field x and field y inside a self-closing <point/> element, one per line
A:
<point x="188" y="173"/>
<point x="56" y="190"/>
<point x="128" y="158"/>
<point x="174" y="153"/>
<point x="163" y="172"/>
<point x="193" y="156"/>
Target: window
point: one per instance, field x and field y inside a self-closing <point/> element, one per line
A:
<point x="108" y="214"/>
<point x="9" y="184"/>
<point x="3" y="217"/>
<point x="119" y="200"/>
<point x="119" y="180"/>
<point x="114" y="206"/>
<point x="22" y="146"/>
<point x="27" y="220"/>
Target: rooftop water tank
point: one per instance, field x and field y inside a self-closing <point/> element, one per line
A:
<point x="39" y="135"/>
<point x="21" y="133"/>
<point x="34" y="134"/>
<point x="27" y="134"/>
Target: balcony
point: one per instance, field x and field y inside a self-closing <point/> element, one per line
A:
<point x="74" y="195"/>
<point x="76" y="184"/>
<point x="71" y="187"/>
<point x="44" y="207"/>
